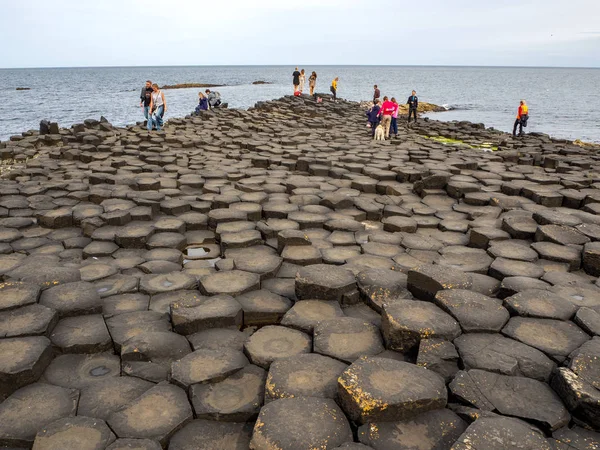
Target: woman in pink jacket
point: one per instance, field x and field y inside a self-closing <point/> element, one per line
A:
<point x="394" y="124"/>
<point x="387" y="111"/>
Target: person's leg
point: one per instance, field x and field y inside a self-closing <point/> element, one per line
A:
<point x="150" y="123"/>
<point x="373" y="126"/>
<point x="387" y="121"/>
<point x="394" y="126"/>
<point x="415" y="114"/>
<point x="515" y="127"/>
<point x="409" y="114"/>
<point x="520" y="128"/>
<point x="159" y="117"/>
<point x="146" y="111"/>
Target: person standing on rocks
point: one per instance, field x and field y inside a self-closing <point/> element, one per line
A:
<point x="413" y="105"/>
<point x="296" y="80"/>
<point x="387" y="111"/>
<point x="312" y="82"/>
<point x="145" y="98"/>
<point x="522" y="117"/>
<point x="394" y="124"/>
<point x="373" y="116"/>
<point x="158" y="108"/>
<point x="302" y="81"/>
<point x="376" y="93"/>
<point x="333" y="88"/>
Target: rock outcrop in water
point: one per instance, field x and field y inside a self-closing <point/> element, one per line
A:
<point x="273" y="278"/>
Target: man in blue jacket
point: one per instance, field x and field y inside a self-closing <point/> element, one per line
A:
<point x="373" y="116"/>
<point x="413" y="105"/>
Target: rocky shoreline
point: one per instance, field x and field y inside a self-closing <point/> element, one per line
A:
<point x="274" y="279"/>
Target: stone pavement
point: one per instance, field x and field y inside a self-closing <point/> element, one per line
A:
<point x="273" y="279"/>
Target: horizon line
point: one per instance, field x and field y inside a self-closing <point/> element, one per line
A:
<point x="312" y="65"/>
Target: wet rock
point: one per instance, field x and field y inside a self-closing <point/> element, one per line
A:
<point x="300" y="423"/>
<point x="30" y="409"/>
<point x="437" y="429"/>
<point x="156" y="414"/>
<point x="80" y="371"/>
<point x="346" y="339"/>
<point x="405" y="323"/>
<point x="237" y="398"/>
<point x="513" y="396"/>
<point x="493" y="433"/>
<point x="79" y="432"/>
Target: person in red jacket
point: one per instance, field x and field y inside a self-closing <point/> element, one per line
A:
<point x="522" y="116"/>
<point x="387" y="112"/>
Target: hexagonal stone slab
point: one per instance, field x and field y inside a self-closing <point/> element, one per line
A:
<point x="31" y="320"/>
<point x="79" y="432"/>
<point x="439" y="356"/>
<point x="72" y="299"/>
<point x="231" y="282"/>
<point x="81" y="334"/>
<point x="437" y="429"/>
<point x="127" y="325"/>
<point x="134" y="235"/>
<point x="14" y="294"/>
<point x="513" y="396"/>
<point x="156" y="414"/>
<point x="300" y="423"/>
<point x="104" y="397"/>
<point x="555" y="338"/>
<point x="308" y="375"/>
<point x="540" y="304"/>
<point x="466" y="259"/>
<point x="218" y="338"/>
<point x="496" y="353"/>
<point x="209" y="435"/>
<point x="275" y="342"/>
<point x="426" y="280"/>
<point x="380" y="389"/>
<point x="30" y="409"/>
<point x="474" y="312"/>
<point x="191" y="315"/>
<point x="492" y="433"/>
<point x="167" y="282"/>
<point x="576" y="438"/>
<point x="79" y="371"/>
<point x="22" y="362"/>
<point x="134" y="444"/>
<point x="404" y="323"/>
<point x="306" y="314"/>
<point x="379" y="286"/>
<point x="347" y="338"/>
<point x="579" y="396"/>
<point x="238" y="398"/>
<point x="43" y="274"/>
<point x="324" y="282"/>
<point x="263" y="307"/>
<point x="206" y="365"/>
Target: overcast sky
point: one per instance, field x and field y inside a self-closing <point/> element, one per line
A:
<point x="57" y="33"/>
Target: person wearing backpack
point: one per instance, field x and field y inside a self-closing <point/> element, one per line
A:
<point x="373" y="116"/>
<point x="522" y="117"/>
<point x="214" y="98"/>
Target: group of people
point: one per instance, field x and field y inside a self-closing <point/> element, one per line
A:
<point x="386" y="115"/>
<point x="152" y="100"/>
<point x="299" y="80"/>
<point x="208" y="100"/>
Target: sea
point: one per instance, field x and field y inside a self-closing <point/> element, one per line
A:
<point x="563" y="102"/>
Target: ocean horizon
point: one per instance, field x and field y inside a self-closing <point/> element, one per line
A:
<point x="562" y="100"/>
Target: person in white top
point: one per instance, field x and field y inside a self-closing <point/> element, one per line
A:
<point x="302" y="80"/>
<point x="158" y="108"/>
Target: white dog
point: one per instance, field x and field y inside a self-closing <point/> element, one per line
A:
<point x="379" y="133"/>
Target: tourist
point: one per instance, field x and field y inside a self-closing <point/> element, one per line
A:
<point x="302" y="81"/>
<point x="214" y="98"/>
<point x="413" y="105"/>
<point x="296" y="80"/>
<point x="522" y="117"/>
<point x="387" y="111"/>
<point x="394" y="124"/>
<point x="376" y="93"/>
<point x="202" y="103"/>
<point x="158" y="108"/>
<point x="333" y="88"/>
<point x="145" y="98"/>
<point x="373" y="116"/>
<point x="312" y="82"/>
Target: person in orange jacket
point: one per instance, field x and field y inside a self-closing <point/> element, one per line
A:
<point x="522" y="117"/>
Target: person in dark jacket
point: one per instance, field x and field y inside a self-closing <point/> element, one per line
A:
<point x="202" y="103"/>
<point x="376" y="93"/>
<point x="145" y="96"/>
<point x="296" y="80"/>
<point x="373" y="116"/>
<point x="413" y="105"/>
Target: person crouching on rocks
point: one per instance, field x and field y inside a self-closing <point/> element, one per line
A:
<point x="522" y="117"/>
<point x="214" y="98"/>
<point x="158" y="108"/>
<point x="312" y="82"/>
<point x="333" y="87"/>
<point x="373" y="116"/>
<point x="394" y="124"/>
<point x="202" y="103"/>
<point x="387" y="111"/>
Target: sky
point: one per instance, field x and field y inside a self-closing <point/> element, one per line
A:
<point x="73" y="33"/>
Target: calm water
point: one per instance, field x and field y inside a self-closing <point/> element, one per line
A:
<point x="563" y="102"/>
